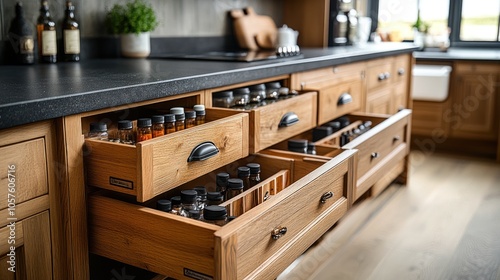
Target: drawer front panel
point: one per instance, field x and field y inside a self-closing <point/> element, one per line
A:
<point x="330" y="100"/>
<point x="265" y="129"/>
<point x="379" y="76"/>
<point x="255" y="243"/>
<point x="401" y="70"/>
<point x="28" y="173"/>
<point x="155" y="166"/>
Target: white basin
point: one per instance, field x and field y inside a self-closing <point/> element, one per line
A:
<point x="430" y="82"/>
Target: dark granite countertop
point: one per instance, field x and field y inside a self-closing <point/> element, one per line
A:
<point x="460" y="54"/>
<point x="40" y="92"/>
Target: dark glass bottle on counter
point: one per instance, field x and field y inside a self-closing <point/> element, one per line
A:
<point x="254" y="173"/>
<point x="21" y="38"/>
<point x="71" y="34"/>
<point x="46" y="35"/>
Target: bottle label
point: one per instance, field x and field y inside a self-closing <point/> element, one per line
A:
<point x="26" y="45"/>
<point x="71" y="41"/>
<point x="49" y="42"/>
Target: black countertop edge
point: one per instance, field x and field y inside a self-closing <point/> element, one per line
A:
<point x="133" y="87"/>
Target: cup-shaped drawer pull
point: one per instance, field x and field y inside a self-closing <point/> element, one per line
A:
<point x="401" y="71"/>
<point x="396" y="138"/>
<point x="278" y="232"/>
<point x="288" y="119"/>
<point x="344" y="98"/>
<point x="374" y="155"/>
<point x="326" y="196"/>
<point x="203" y="151"/>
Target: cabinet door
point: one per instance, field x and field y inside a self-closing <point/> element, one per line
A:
<point x="379" y="101"/>
<point x="474" y="106"/>
<point x="32" y="258"/>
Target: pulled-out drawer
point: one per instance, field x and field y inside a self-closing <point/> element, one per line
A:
<point x="260" y="243"/>
<point x="154" y="166"/>
<point x="281" y="120"/>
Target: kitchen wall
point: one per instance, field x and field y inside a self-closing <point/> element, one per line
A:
<point x="178" y="18"/>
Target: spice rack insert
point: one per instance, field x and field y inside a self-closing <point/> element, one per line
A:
<point x="154" y="166"/>
<point x="382" y="149"/>
<point x="283" y="226"/>
<point x="277" y="121"/>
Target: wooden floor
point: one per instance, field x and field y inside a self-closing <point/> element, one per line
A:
<point x="444" y="225"/>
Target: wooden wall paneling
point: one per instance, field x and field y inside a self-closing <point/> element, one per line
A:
<point x="311" y="19"/>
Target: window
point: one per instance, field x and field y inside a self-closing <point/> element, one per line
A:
<point x="472" y="22"/>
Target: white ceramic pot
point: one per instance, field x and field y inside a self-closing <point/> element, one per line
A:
<point x="135" y="45"/>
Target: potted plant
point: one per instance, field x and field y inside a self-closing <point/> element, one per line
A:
<point x="133" y="22"/>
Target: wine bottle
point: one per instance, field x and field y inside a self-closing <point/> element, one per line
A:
<point x="21" y="38"/>
<point x="46" y="35"/>
<point x="71" y="34"/>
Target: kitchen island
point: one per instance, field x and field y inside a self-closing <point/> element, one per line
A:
<point x="45" y="112"/>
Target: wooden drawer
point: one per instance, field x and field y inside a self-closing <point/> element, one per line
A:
<point x="317" y="79"/>
<point x="243" y="249"/>
<point x="401" y="69"/>
<point x="379" y="149"/>
<point x="154" y="166"/>
<point x="27" y="163"/>
<point x="339" y="100"/>
<point x="379" y="74"/>
<point x="265" y="128"/>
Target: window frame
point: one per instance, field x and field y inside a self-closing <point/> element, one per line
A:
<point x="454" y="20"/>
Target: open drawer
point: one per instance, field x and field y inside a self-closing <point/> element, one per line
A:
<point x="273" y="123"/>
<point x="381" y="150"/>
<point x="154" y="166"/>
<point x="259" y="244"/>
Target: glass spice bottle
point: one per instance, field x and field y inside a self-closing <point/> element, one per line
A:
<point x="144" y="131"/>
<point x="188" y="202"/>
<point x="179" y="122"/>
<point x="221" y="182"/>
<point x="215" y="214"/>
<point x="164" y="205"/>
<point x="158" y="125"/>
<point x="297" y="145"/>
<point x="214" y="198"/>
<point x="195" y="214"/>
<point x="125" y="132"/>
<point x="201" y="198"/>
<point x="99" y="131"/>
<point x="190" y="117"/>
<point x="254" y="173"/>
<point x="176" y="205"/>
<point x="234" y="188"/>
<point x="169" y="123"/>
<point x="177" y="110"/>
<point x="244" y="175"/>
<point x="200" y="113"/>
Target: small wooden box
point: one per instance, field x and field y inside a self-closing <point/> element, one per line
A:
<point x="154" y="166"/>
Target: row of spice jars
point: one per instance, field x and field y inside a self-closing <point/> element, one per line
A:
<point x="147" y="128"/>
<point x="246" y="177"/>
<point x="252" y="96"/>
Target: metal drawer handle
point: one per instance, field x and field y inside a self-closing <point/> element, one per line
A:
<point x="278" y="232"/>
<point x="344" y="98"/>
<point x="375" y="155"/>
<point x="326" y="196"/>
<point x="266" y="196"/>
<point x="387" y="75"/>
<point x="381" y="77"/>
<point x="401" y="71"/>
<point x="396" y="138"/>
<point x="288" y="119"/>
<point x="203" y="151"/>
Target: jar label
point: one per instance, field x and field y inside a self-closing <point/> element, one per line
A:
<point x="71" y="41"/>
<point x="49" y="42"/>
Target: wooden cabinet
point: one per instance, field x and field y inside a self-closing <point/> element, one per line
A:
<point x="475" y="101"/>
<point x="31" y="209"/>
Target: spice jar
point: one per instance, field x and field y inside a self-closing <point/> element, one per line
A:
<point x="223" y="99"/>
<point x="200" y="113"/>
<point x="254" y="173"/>
<point x="169" y="123"/>
<point x="297" y="145"/>
<point x="214" y="198"/>
<point x="188" y="202"/>
<point x="215" y="214"/>
<point x="257" y="93"/>
<point x="244" y="175"/>
<point x="179" y="122"/>
<point x="176" y="110"/>
<point x="176" y="205"/>
<point x="241" y="97"/>
<point x="99" y="131"/>
<point x="144" y="131"/>
<point x="164" y="205"/>
<point x="311" y="148"/>
<point x="272" y="90"/>
<point x="201" y="198"/>
<point x="125" y="132"/>
<point x="221" y="182"/>
<point x="190" y="117"/>
<point x="158" y="125"/>
<point x="234" y="188"/>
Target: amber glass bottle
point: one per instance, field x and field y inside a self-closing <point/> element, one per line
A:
<point x="46" y="35"/>
<point x="71" y="34"/>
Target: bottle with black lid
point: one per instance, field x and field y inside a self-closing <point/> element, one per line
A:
<point x="272" y="90"/>
<point x="169" y="123"/>
<point x="176" y="204"/>
<point x="254" y="173"/>
<point x="221" y="181"/>
<point x="164" y="205"/>
<point x="21" y="38"/>
<point x="244" y="175"/>
<point x="46" y="35"/>
<point x="241" y="97"/>
<point x="188" y="202"/>
<point x="99" y="131"/>
<point x="214" y="198"/>
<point x="257" y="93"/>
<point x="297" y="145"/>
<point x="234" y="188"/>
<point x="201" y="198"/>
<point x="71" y="34"/>
<point x="215" y="214"/>
<point x="125" y="132"/>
